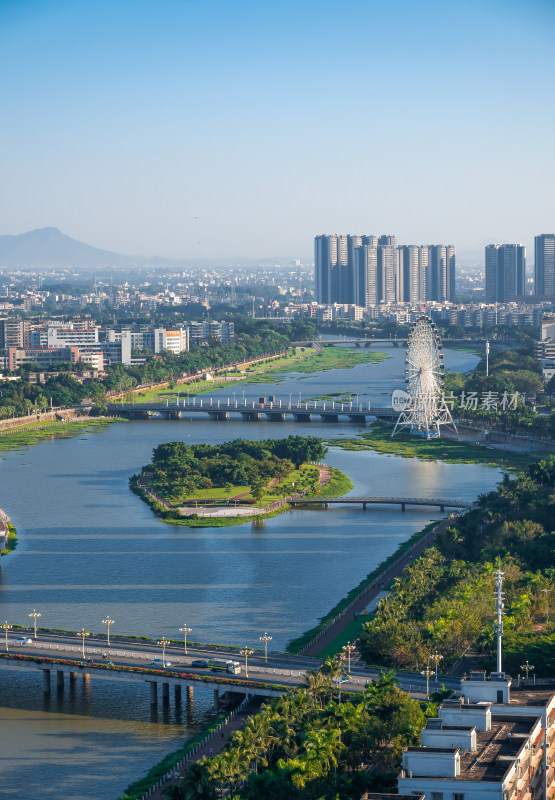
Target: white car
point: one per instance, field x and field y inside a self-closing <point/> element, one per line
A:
<point x="159" y="662"/>
<point x="21" y="641"/>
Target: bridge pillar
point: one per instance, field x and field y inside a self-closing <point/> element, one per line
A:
<point x="326" y="505"/>
<point x="251" y="416"/>
<point x="302" y="416"/>
<point x="165" y="692"/>
<point x="86" y="679"/>
<point x="364" y="506"/>
<point x="190" y="694"/>
<point x="275" y="416"/>
<point x="403" y="506"/>
<point x="73" y="677"/>
<point x="216" y="699"/>
<point x="46" y="681"/>
<point x="442" y="508"/>
<point x="218" y="415"/>
<point x="357" y="418"/>
<point x="60" y="680"/>
<point x="177" y="694"/>
<point x="329" y="417"/>
<point x="153" y="693"/>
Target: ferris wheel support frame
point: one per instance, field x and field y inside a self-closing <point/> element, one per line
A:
<point x="427" y="411"/>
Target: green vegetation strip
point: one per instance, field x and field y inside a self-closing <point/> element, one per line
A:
<point x="140" y="787"/>
<point x="407" y="445"/>
<point x="296" y="645"/>
<point x="19" y="438"/>
<point x="445" y="599"/>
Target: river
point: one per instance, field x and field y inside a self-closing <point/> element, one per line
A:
<point x="88" y="548"/>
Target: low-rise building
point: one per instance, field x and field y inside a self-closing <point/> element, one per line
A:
<point x="495" y="741"/>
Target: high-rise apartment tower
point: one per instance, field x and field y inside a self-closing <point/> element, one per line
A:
<point x="544" y="265"/>
<point x="505" y="272"/>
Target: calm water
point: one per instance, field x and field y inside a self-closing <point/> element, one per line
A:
<point x="89" y="547"/>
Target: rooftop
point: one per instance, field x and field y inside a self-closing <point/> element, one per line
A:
<point x="496" y="749"/>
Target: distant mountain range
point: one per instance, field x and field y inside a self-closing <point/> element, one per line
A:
<point x="49" y="247"/>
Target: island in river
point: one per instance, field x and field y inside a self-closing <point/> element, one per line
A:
<point x="234" y="481"/>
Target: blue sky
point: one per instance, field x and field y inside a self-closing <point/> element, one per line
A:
<point x="236" y="128"/>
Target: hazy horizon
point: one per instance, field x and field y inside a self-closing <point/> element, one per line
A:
<point x="242" y="130"/>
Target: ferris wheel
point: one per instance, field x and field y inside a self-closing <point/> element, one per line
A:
<point x="425" y="410"/>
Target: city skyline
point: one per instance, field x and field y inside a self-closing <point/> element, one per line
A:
<point x="197" y="131"/>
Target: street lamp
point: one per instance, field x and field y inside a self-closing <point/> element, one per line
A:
<point x="163" y="644"/>
<point x="6" y="629"/>
<point x="265" y="639"/>
<point x="83" y="634"/>
<point x="108" y="622"/>
<point x="427" y="672"/>
<point x="527" y="668"/>
<point x="185" y="630"/>
<point x="34" y="614"/>
<point x="247" y="652"/>
<point x="348" y="649"/>
<point x="437" y="658"/>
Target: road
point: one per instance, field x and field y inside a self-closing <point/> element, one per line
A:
<point x="282" y="668"/>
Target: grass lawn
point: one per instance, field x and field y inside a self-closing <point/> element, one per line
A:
<point x="348" y="634"/>
<point x="407" y="445"/>
<point x="218" y="493"/>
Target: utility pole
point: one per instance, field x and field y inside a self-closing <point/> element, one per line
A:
<point x="487" y="359"/>
<point x="498" y="625"/>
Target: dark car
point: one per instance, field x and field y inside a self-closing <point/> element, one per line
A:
<point x="199" y="663"/>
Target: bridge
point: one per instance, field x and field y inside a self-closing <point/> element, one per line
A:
<point x="221" y="408"/>
<point x="441" y="503"/>
<point x="65" y="657"/>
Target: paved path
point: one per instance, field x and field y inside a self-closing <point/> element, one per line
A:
<point x="211" y="748"/>
<point x="374" y="589"/>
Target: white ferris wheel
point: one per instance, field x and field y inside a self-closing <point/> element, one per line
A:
<point x="425" y="410"/>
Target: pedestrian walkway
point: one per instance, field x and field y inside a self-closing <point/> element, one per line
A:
<point x="210" y="748"/>
<point x="372" y="592"/>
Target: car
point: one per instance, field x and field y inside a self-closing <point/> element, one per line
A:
<point x="21" y="641"/>
<point x="160" y="662"/>
<point x="199" y="663"/>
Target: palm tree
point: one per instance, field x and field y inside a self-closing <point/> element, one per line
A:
<point x="197" y="784"/>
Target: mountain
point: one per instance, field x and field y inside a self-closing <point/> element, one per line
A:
<point x="49" y="247"/>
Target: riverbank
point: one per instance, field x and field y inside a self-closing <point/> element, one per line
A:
<point x="312" y="642"/>
<point x="452" y="451"/>
<point x="35" y="432"/>
<point x="302" y="360"/>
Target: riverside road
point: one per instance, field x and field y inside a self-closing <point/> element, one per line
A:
<point x="281" y="669"/>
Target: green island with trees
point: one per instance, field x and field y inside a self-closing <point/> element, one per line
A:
<point x="239" y="473"/>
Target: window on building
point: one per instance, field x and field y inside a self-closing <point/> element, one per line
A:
<point x="458" y="796"/>
<point x="437" y="795"/>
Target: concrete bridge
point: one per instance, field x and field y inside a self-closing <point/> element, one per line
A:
<point x="441" y="503"/>
<point x="221" y="408"/>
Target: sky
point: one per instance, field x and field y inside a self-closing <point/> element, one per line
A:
<point x="228" y="128"/>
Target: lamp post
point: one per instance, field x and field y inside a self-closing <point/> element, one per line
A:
<point x="35" y="615"/>
<point x="348" y="649"/>
<point x="185" y="630"/>
<point x="546" y="592"/>
<point x="265" y="639"/>
<point x="427" y="672"/>
<point x="247" y="652"/>
<point x="83" y="634"/>
<point x="6" y="629"/>
<point x="437" y="658"/>
<point x="527" y="668"/>
<point x="108" y="622"/>
<point x="163" y="642"/>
